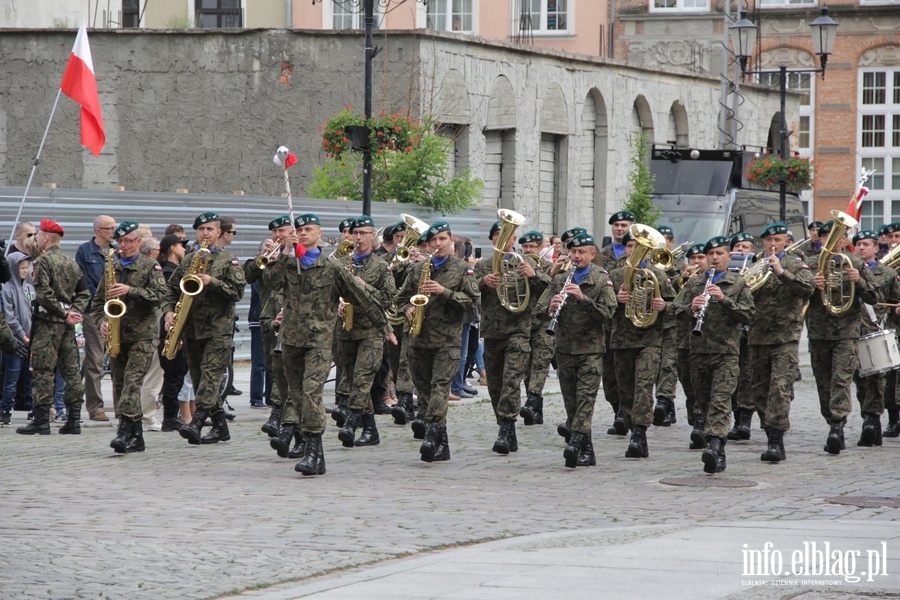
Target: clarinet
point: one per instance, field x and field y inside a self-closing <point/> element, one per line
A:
<point x="700" y="315"/>
<point x="551" y="328"/>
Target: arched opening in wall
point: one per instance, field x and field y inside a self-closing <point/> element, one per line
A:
<point x="773" y="141"/>
<point x="500" y="146"/>
<point x="453" y="113"/>
<point x="554" y="160"/>
<point x="593" y="161"/>
<point x="642" y="120"/>
<point x="679" y="120"/>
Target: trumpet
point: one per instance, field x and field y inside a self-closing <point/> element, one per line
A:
<point x="343" y="249"/>
<point x="414" y="228"/>
<point x="265" y="257"/>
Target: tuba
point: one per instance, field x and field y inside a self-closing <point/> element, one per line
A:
<point x="420" y="299"/>
<point x="514" y="291"/>
<point x="834" y="297"/>
<point x="640" y="283"/>
<point x="190" y="285"/>
<point x="114" y="309"/>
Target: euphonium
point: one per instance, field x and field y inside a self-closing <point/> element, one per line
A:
<point x="640" y="283"/>
<point x="892" y="258"/>
<point x="190" y="285"/>
<point x="835" y="299"/>
<point x="114" y="309"/>
<point x="264" y="258"/>
<point x="514" y="291"/>
<point x="757" y="273"/>
<point x="420" y="299"/>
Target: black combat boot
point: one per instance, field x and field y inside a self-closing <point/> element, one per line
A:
<point x="281" y="443"/>
<point x="506" y="438"/>
<point x="383" y="409"/>
<point x="871" y="431"/>
<point x="775" y="449"/>
<point x="120" y="443"/>
<point x="698" y="436"/>
<point x="219" y="431"/>
<point x="714" y="455"/>
<point x="40" y="424"/>
<point x="347" y="434"/>
<point x="573" y="450"/>
<point x="637" y="447"/>
<point x="341" y="409"/>
<point x="893" y="427"/>
<point x="742" y="424"/>
<point x="171" y="424"/>
<point x="418" y="425"/>
<point x="564" y="430"/>
<point x="73" y="421"/>
<point x="136" y="439"/>
<point x="618" y="426"/>
<point x="671" y="417"/>
<point x="400" y="411"/>
<point x="431" y="442"/>
<point x="313" y="461"/>
<point x="834" y="443"/>
<point x="296" y="450"/>
<point x="660" y="411"/>
<point x="442" y="453"/>
<point x="369" y="435"/>
<point x="5" y="417"/>
<point x="586" y="458"/>
<point x="273" y="424"/>
<point x="191" y="431"/>
<point x="170" y="421"/>
<point x="533" y="411"/>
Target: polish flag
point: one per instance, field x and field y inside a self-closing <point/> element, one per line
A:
<point x="80" y="85"/>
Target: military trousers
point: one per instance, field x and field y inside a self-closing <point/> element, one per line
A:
<point x="359" y="361"/>
<point x="833" y="363"/>
<point x="53" y="347"/>
<point x="667" y="377"/>
<point x="274" y="366"/>
<point x="636" y="370"/>
<point x="714" y="378"/>
<point x="773" y="370"/>
<point x="505" y="362"/>
<point x="433" y="370"/>
<point x="208" y="359"/>
<point x="579" y="381"/>
<point x="684" y="377"/>
<point x="743" y="396"/>
<point x="870" y="393"/>
<point x="610" y="387"/>
<point x="539" y="356"/>
<point x="398" y="358"/>
<point x="307" y="370"/>
<point x="128" y="370"/>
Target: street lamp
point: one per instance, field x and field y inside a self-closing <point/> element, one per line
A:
<point x="743" y="38"/>
<point x="367" y="8"/>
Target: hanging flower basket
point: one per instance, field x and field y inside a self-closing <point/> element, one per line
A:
<point x="796" y="173"/>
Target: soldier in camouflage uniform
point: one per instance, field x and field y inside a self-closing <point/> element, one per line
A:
<point x="892" y="233"/>
<point x="506" y="337"/>
<point x="434" y="359"/>
<point x="636" y="352"/>
<point x="208" y="327"/>
<point x="311" y="294"/>
<point x="684" y="323"/>
<point x="832" y="340"/>
<point x="743" y="248"/>
<point x="870" y="390"/>
<point x="583" y="301"/>
<point x="721" y="304"/>
<point x="667" y="378"/>
<point x="270" y="316"/>
<point x="396" y="355"/>
<point x="140" y="285"/>
<point x="61" y="296"/>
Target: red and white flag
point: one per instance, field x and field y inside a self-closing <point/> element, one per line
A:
<point x="79" y="84"/>
<point x="854" y="207"/>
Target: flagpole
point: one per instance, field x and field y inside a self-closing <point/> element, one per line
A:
<point x="37" y="160"/>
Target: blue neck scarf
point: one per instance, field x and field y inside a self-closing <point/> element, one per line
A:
<point x="872" y="264"/>
<point x="780" y="255"/>
<point x="618" y="250"/>
<point x="312" y="254"/>
<point x="885" y="248"/>
<point x="580" y="274"/>
<point x="127" y="261"/>
<point x="643" y="264"/>
<point x="438" y="262"/>
<point x="718" y="276"/>
<point x="358" y="258"/>
<point x="818" y="246"/>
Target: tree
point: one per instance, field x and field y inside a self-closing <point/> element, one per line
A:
<point x="409" y="164"/>
<point x="640" y="199"/>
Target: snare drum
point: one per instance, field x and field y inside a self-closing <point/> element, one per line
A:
<point x="878" y="353"/>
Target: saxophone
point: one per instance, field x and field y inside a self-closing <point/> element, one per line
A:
<point x="190" y="285"/>
<point x="348" y="308"/>
<point x="420" y="299"/>
<point x="114" y="309"/>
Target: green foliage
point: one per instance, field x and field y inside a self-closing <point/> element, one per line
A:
<point x="640" y="199"/>
<point x="796" y="172"/>
<point x="409" y="164"/>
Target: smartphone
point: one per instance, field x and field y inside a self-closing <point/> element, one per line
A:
<point x="478" y="253"/>
<point x="468" y="252"/>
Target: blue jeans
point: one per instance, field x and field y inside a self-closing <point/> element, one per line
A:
<point x="260" y="378"/>
<point x="457" y="386"/>
<point x="58" y="392"/>
<point x="14" y="369"/>
<point x="479" y="356"/>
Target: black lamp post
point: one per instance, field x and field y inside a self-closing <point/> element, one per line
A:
<point x="743" y="37"/>
<point x="367" y="8"/>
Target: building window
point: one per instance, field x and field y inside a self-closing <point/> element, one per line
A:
<point x="350" y="15"/>
<point x="450" y="15"/>
<point x="218" y="14"/>
<point x="878" y="2"/>
<point x="797" y="82"/>
<point x="131" y="13"/>
<point x="679" y="5"/>
<point x="879" y="140"/>
<point x="547" y="16"/>
<point x="777" y="3"/>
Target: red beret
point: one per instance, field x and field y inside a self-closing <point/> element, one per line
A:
<point x="51" y="227"/>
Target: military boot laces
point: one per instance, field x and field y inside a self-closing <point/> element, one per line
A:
<point x="347" y="434"/>
<point x="834" y="443"/>
<point x="504" y="442"/>
<point x="281" y="443"/>
<point x="573" y="450"/>
<point x="271" y="426"/>
<point x="587" y="458"/>
<point x="369" y="435"/>
<point x="297" y="449"/>
<point x="430" y="444"/>
<point x="530" y="411"/>
<point x="313" y="461"/>
<point x="120" y="443"/>
<point x="219" y="431"/>
<point x="442" y="452"/>
<point x="671" y="417"/>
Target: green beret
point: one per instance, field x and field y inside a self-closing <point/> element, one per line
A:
<point x="665" y="230"/>
<point x="568" y="234"/>
<point x="881" y="230"/>
<point x="865" y="234"/>
<point x="281" y="221"/>
<point x="436" y="228"/>
<point x="494" y="228"/>
<point x="399" y="227"/>
<point x="892" y="227"/>
<point x="531" y="236"/>
<point x="207" y="217"/>
<point x="581" y="239"/>
<point x="362" y="221"/>
<point x="348" y="222"/>
<point x="695" y="249"/>
<point x="741" y="236"/>
<point x="826" y="227"/>
<point x="622" y="215"/>
<point x="307" y="219"/>
<point x="720" y="241"/>
<point x="124" y="228"/>
<point x="814" y="225"/>
<point x="627" y="237"/>
<point x="423" y="239"/>
<point x="774" y="229"/>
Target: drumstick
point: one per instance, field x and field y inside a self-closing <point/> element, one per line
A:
<point x="887" y="304"/>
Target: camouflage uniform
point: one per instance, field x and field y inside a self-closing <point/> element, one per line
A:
<point x="253" y="273"/>
<point x="397" y="354"/>
<point x="59" y="288"/>
<point x="209" y="326"/>
<point x="667" y="378"/>
<point x="580" y="332"/>
<point x="870" y="391"/>
<point x="714" y="355"/>
<point x="270" y="307"/>
<point x="138" y="329"/>
<point x="434" y="361"/>
<point x="606" y="258"/>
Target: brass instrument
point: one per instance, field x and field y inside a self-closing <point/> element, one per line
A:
<point x="757" y="273"/>
<point x="114" y="309"/>
<point x="685" y="276"/>
<point x="343" y="248"/>
<point x="678" y="252"/>
<point x="642" y="284"/>
<point x="892" y="258"/>
<point x="191" y="285"/>
<point x="414" y="228"/>
<point x="420" y="299"/>
<point x="835" y="299"/>
<point x="348" y="308"/>
<point x="795" y="247"/>
<point x="662" y="258"/>
<point x="264" y="258"/>
<point x="514" y="290"/>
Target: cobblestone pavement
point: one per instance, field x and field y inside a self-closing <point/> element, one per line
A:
<point x="180" y="521"/>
